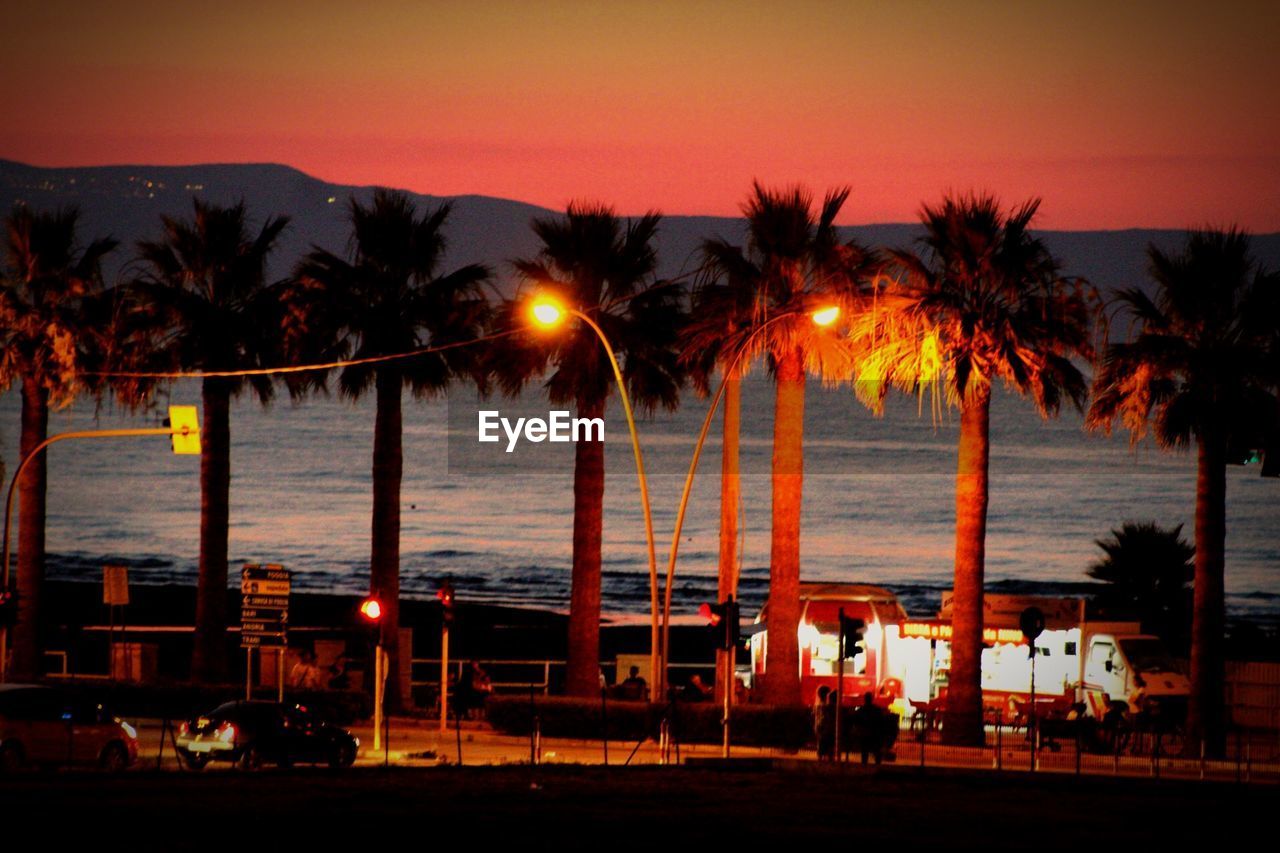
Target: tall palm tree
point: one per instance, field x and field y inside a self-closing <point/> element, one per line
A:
<point x="757" y="301"/>
<point x="985" y="301"/>
<point x="1203" y="368"/>
<point x="47" y="288"/>
<point x="604" y="267"/>
<point x="205" y="294"/>
<point x="386" y="297"/>
<point x="1146" y="569"/>
<point x="721" y="308"/>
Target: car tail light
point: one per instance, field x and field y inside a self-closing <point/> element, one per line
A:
<point x="226" y="733"/>
<point x="183" y="729"/>
<point x="128" y="729"/>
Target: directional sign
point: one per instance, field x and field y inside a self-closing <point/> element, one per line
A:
<point x="269" y="572"/>
<point x="280" y="602"/>
<point x="250" y="587"/>
<point x="263" y="641"/>
<point x="264" y="614"/>
<point x="264" y="611"/>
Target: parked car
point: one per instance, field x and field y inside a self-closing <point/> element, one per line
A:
<point x="51" y="725"/>
<point x="249" y="734"/>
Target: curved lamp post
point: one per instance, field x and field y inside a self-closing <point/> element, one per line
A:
<point x="822" y="317"/>
<point x="183" y="428"/>
<point x="548" y="313"/>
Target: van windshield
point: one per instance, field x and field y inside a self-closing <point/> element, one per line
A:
<point x="1147" y="654"/>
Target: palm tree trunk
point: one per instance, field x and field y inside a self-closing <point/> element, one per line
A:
<point x="1206" y="712"/>
<point x="782" y="655"/>
<point x="31" y="518"/>
<point x="963" y="722"/>
<point x="209" y="656"/>
<point x="583" y="675"/>
<point x="730" y="495"/>
<point x="384" y="558"/>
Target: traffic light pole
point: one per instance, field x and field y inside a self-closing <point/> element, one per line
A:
<point x="444" y="676"/>
<point x="839" y="687"/>
<point x="17" y="477"/>
<point x="729" y="655"/>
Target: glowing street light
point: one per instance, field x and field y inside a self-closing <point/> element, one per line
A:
<point x="826" y="316"/>
<point x="549" y="313"/>
<point x="822" y="317"/>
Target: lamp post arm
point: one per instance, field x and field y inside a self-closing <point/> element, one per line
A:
<point x="13" y="485"/>
<point x="729" y="370"/>
<point x="644" y="499"/>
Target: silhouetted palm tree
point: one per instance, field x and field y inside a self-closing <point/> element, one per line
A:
<point x="1147" y="569"/>
<point x="1203" y="368"/>
<point x="388" y="296"/>
<point x="205" y="295"/>
<point x="758" y="300"/>
<point x="603" y="266"/>
<point x="985" y="301"/>
<point x="49" y="327"/>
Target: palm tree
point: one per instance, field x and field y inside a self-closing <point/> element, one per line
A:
<point x="205" y="295"/>
<point x="1203" y="368"/>
<point x="603" y="266"/>
<point x="986" y="301"/>
<point x="757" y="301"/>
<point x="388" y="297"/>
<point x="1147" y="569"/>
<point x="721" y="308"/>
<point x="49" y="329"/>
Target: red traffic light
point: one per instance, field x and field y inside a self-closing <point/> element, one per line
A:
<point x="371" y="609"/>
<point x="445" y="594"/>
<point x="710" y="612"/>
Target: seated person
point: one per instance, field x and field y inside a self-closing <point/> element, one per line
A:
<point x="634" y="687"/>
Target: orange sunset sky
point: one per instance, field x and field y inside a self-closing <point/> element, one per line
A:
<point x="1120" y="114"/>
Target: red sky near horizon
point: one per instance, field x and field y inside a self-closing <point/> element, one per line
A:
<point x="1119" y="114"/>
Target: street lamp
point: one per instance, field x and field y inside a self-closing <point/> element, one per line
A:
<point x="548" y="313"/>
<point x="823" y="317"/>
<point x="183" y="428"/>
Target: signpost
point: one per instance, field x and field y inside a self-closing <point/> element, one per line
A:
<point x="264" y="618"/>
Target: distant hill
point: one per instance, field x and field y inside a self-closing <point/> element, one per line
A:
<point x="127" y="201"/>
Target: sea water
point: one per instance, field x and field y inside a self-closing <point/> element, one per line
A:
<point x="878" y="500"/>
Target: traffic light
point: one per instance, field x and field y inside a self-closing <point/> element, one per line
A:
<point x="371" y="610"/>
<point x="8" y="607"/>
<point x="722" y="619"/>
<point x="445" y="594"/>
<point x="851" y="639"/>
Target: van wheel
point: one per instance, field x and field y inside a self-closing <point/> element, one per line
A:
<point x="11" y="757"/>
<point x="114" y="758"/>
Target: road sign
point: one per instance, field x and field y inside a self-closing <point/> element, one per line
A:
<point x="269" y="572"/>
<point x="264" y="610"/>
<point x="279" y="602"/>
<point x="263" y="641"/>
<point x="250" y="587"/>
<point x="115" y="585"/>
<point x="264" y="614"/>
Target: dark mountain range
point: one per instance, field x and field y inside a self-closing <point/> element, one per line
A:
<point x="127" y="201"/>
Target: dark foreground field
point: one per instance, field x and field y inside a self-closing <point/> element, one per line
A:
<point x="569" y="808"/>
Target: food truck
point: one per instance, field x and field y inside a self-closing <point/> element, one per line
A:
<point x="908" y="660"/>
<point x="820" y="606"/>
